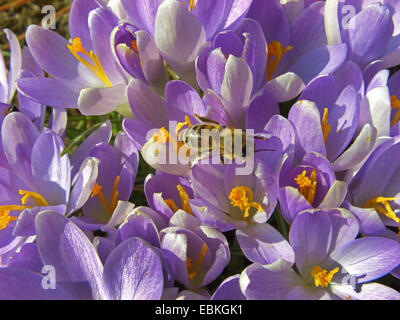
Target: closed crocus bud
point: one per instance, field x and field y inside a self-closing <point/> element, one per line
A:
<point x="138" y="55"/>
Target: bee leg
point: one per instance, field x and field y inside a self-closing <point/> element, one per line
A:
<point x="222" y="159"/>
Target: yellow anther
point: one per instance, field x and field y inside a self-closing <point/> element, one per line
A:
<point x="322" y="277"/>
<point x="172" y="205"/>
<point x="162" y="136"/>
<point x="395" y="103"/>
<point x="134" y="46"/>
<point x="192" y="5"/>
<point x="307" y="185"/>
<point x="5" y="218"/>
<point x="180" y="125"/>
<point x="326" y="128"/>
<point x="275" y="55"/>
<point x="97" y="192"/>
<point x="36" y="197"/>
<point x="193" y="269"/>
<point x="381" y="205"/>
<point x="94" y="65"/>
<point x="184" y="199"/>
<point x="242" y="197"/>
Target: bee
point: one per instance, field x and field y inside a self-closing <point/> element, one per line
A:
<point x="210" y="138"/>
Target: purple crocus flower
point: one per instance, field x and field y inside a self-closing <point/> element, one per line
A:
<point x="84" y="72"/>
<point x="112" y="186"/>
<point x="64" y="246"/>
<point x="181" y="28"/>
<point x="138" y="54"/>
<point x="197" y="253"/>
<point x="330" y="262"/>
<point x="298" y="46"/>
<point x="35" y="177"/>
<point x="371" y="35"/>
<point x="244" y="203"/>
<point x="310" y="184"/>
<point x="228" y="71"/>
<point x="168" y="193"/>
<point x="143" y="223"/>
<point x="330" y="108"/>
<point x="227" y="201"/>
<point x="374" y="190"/>
<point x="22" y="65"/>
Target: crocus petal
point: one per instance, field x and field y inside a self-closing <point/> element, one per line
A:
<point x="99" y="101"/>
<point x="371" y="34"/>
<point x="358" y="150"/>
<point x="210" y="14"/>
<point x="25" y="225"/>
<point x="267" y="282"/>
<point x="376" y="291"/>
<point x="141" y="226"/>
<point x="15" y="62"/>
<point x="272" y="17"/>
<point x="27" y="258"/>
<point x="236" y="89"/>
<point x="133" y="271"/>
<point x="16" y="284"/>
<point x="229" y="289"/>
<point x="179" y="95"/>
<point x="49" y="91"/>
<point x="310" y="236"/>
<point x="51" y="52"/>
<point x="254" y="49"/>
<point x="263" y="244"/>
<point x="292" y="202"/>
<point x="78" y="21"/>
<point x="334" y="196"/>
<point x="179" y="36"/>
<point x="368" y="258"/>
<point x="64" y="246"/>
<point x="369" y="220"/>
<point x="323" y="90"/>
<point x="379" y="104"/>
<point x="307" y="32"/>
<point x="213" y="216"/>
<point x="100" y="135"/>
<point x="350" y="73"/>
<point x="215" y="69"/>
<point x="321" y="60"/>
<point x="101" y="24"/>
<point x="307" y="120"/>
<point x="146" y="105"/>
<point x="83" y="186"/>
<point x="380" y="80"/>
<point x="286" y="86"/>
<point x="235" y="10"/>
<point x="142" y="13"/>
<point x="19" y="135"/>
<point x="262" y="108"/>
<point x="151" y="61"/>
<point x="51" y="172"/>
